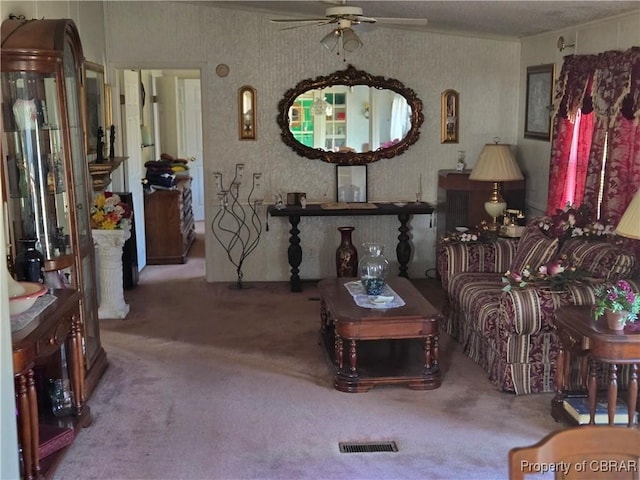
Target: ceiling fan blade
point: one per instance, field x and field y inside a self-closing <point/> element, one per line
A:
<point x="402" y="21"/>
<point x="319" y="24"/>
<point x="298" y="20"/>
<point x="361" y="19"/>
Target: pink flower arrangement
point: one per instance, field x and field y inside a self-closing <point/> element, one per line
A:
<point x="618" y="297"/>
<point x="555" y="274"/>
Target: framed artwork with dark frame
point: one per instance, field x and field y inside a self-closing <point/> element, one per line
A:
<point x="351" y="183"/>
<point x="94" y="104"/>
<point x="537" y="121"/>
<point x="450" y="117"/>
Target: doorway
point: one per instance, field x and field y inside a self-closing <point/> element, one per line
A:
<point x="169" y="121"/>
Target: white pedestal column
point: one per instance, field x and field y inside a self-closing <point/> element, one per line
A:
<point x="109" y="248"/>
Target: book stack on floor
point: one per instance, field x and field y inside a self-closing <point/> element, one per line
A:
<point x="578" y="408"/>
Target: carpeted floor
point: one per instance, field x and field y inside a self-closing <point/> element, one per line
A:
<point x="210" y="382"/>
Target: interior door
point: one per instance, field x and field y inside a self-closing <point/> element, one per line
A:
<point x="192" y="135"/>
<point x="135" y="168"/>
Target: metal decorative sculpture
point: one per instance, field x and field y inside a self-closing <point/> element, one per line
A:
<point x="236" y="226"/>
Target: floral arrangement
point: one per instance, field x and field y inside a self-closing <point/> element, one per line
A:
<point x="574" y="221"/>
<point x="464" y="235"/>
<point x="109" y="212"/>
<point x="618" y="298"/>
<point x="555" y="274"/>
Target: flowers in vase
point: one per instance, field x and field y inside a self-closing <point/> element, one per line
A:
<point x="618" y="298"/>
<point x="109" y="212"/>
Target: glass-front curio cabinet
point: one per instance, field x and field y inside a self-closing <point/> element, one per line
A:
<point x="44" y="170"/>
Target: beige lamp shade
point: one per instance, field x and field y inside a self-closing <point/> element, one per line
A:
<point x="496" y="164"/>
<point x="629" y="225"/>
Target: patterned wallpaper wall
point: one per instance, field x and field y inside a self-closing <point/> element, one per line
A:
<point x="485" y="72"/>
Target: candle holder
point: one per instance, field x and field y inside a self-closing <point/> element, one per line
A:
<point x="236" y="226"/>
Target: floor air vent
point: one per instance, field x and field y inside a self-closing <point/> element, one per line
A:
<point x="357" y="447"/>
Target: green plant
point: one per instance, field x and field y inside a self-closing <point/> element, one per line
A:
<point x="618" y="298"/>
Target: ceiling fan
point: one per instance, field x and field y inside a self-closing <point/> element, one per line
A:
<point x="344" y="17"/>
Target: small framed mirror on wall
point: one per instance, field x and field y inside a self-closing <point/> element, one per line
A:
<point x="94" y="111"/>
<point x="247" y="112"/>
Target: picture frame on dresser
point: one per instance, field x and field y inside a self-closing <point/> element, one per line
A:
<point x="351" y="183"/>
<point x="538" y="102"/>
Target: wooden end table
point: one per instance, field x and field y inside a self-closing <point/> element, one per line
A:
<point x="383" y="346"/>
<point x="594" y="342"/>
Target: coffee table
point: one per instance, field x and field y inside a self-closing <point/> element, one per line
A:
<point x="374" y="346"/>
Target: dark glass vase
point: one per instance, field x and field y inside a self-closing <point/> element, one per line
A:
<point x="29" y="262"/>
<point x="346" y="255"/>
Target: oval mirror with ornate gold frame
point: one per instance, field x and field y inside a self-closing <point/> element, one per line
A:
<point x="350" y="117"/>
<point x="247" y="112"/>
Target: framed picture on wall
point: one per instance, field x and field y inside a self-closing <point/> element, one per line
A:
<point x="94" y="104"/>
<point x="450" y="117"/>
<point x="351" y="183"/>
<point x="537" y="124"/>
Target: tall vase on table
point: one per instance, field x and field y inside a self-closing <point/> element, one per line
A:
<point x="346" y="254"/>
<point x="111" y="228"/>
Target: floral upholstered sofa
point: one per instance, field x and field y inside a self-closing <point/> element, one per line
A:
<point x="510" y="332"/>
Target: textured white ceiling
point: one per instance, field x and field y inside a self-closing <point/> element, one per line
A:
<point x="508" y="19"/>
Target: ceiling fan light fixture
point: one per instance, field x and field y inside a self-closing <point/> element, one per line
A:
<point x="350" y="41"/>
<point x="330" y="40"/>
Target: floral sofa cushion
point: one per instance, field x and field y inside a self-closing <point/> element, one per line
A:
<point x="534" y="249"/>
<point x="599" y="259"/>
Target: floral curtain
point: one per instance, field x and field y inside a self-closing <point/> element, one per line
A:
<point x="605" y="88"/>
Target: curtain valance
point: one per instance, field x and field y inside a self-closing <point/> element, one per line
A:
<point x="608" y="82"/>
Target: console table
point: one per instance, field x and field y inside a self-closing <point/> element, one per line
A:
<point x="404" y="213"/>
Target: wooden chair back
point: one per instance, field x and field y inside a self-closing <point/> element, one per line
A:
<point x="586" y="452"/>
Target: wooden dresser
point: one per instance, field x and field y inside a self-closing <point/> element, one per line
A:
<point x="168" y="220"/>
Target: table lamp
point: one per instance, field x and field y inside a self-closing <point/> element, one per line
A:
<point x="629" y="225"/>
<point x="495" y="164"/>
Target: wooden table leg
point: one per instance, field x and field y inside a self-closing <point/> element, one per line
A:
<point x="612" y="392"/>
<point x="353" y="359"/>
<point x="33" y="420"/>
<point x="560" y="367"/>
<point x="632" y="400"/>
<point x="427" y="354"/>
<point x="436" y="351"/>
<point x="338" y="352"/>
<point x="24" y="430"/>
<point x="403" y="249"/>
<point x="591" y="391"/>
<point x="294" y="252"/>
<point x="76" y="362"/>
